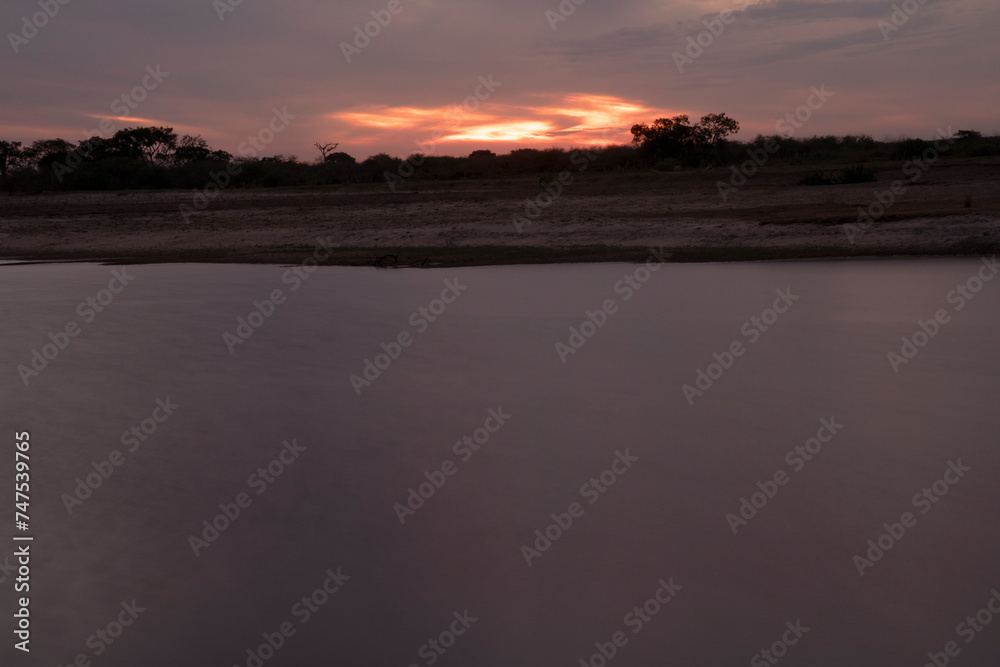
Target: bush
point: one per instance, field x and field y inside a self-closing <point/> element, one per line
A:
<point x="857" y="174"/>
<point x="137" y="159"/>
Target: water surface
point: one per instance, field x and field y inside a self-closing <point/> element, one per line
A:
<point x="619" y="397"/>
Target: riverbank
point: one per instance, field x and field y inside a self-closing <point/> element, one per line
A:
<point x="953" y="209"/>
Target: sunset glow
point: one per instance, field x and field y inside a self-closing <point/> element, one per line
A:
<point x="490" y="75"/>
<point x="567" y="121"/>
<point x="125" y="120"/>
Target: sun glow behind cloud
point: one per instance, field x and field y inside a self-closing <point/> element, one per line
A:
<point x="121" y="122"/>
<point x="567" y="121"/>
<point x="527" y="131"/>
<point x="609" y="65"/>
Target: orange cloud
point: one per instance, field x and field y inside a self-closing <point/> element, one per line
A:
<point x="132" y="121"/>
<point x="124" y="119"/>
<point x="572" y="120"/>
<point x="390" y="117"/>
<point x="525" y="130"/>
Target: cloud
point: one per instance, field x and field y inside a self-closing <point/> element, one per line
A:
<point x="817" y="10"/>
<point x="572" y="119"/>
<point x="610" y="58"/>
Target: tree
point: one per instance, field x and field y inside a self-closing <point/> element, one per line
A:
<point x="326" y="149"/>
<point x="340" y="159"/>
<point x="44" y="152"/>
<point x="339" y="167"/>
<point x="10" y="154"/>
<point x="666" y="137"/>
<point x="677" y="138"/>
<point x="47" y="156"/>
<point x="155" y="145"/>
<point x="715" y="127"/>
<point x="327" y="153"/>
<point x="191" y="149"/>
<point x="968" y="134"/>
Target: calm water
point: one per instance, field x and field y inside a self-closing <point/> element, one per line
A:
<point x="661" y="516"/>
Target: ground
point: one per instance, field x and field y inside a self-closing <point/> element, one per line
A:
<point x="954" y="208"/>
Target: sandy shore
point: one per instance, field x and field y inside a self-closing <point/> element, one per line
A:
<point x="597" y="217"/>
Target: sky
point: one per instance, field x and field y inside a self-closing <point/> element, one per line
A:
<point x="448" y="77"/>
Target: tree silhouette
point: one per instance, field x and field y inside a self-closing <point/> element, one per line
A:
<point x="154" y="157"/>
<point x="10" y="153"/>
<point x="677" y="138"/>
<point x="326" y="149"/>
<point x="191" y="149"/>
<point x="155" y="145"/>
<point x="715" y="127"/>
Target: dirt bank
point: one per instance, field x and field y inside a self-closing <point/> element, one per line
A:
<point x="953" y="209"/>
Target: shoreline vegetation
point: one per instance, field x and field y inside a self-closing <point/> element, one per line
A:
<point x="152" y="198"/>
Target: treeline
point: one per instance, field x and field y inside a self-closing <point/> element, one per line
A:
<point x="155" y="157"/>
